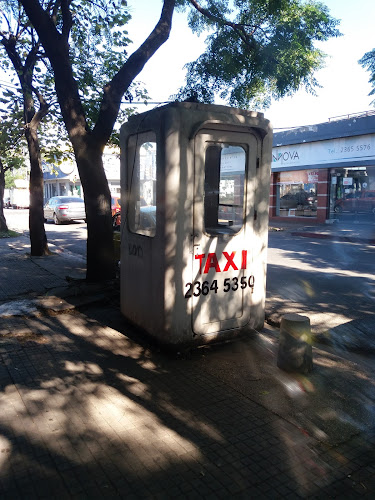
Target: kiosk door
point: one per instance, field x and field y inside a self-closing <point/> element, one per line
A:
<point x="224" y="185"/>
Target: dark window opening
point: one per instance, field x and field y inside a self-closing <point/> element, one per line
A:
<point x="224" y="188"/>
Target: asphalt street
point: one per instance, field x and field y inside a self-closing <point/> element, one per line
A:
<point x="68" y="237"/>
<point x="332" y="280"/>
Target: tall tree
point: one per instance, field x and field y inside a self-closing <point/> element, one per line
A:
<point x="11" y="150"/>
<point x="258" y="50"/>
<point x="260" y="47"/>
<point x="24" y="53"/>
<point x="368" y="62"/>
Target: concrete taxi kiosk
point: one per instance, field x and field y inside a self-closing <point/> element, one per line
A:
<point x="195" y="185"/>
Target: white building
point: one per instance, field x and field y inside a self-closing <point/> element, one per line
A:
<point x="63" y="180"/>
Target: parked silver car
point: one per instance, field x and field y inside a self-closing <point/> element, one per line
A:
<point x="62" y="209"/>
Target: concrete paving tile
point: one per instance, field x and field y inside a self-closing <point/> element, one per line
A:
<point x="195" y="422"/>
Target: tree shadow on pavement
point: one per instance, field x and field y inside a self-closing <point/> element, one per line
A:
<point x="88" y="412"/>
<point x="323" y="254"/>
<point x="332" y="282"/>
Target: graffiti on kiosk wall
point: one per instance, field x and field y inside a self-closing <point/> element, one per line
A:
<point x="325" y="152"/>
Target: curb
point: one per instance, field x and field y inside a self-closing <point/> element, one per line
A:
<point x="325" y="236"/>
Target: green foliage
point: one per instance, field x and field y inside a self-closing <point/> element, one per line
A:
<point x="9" y="234"/>
<point x="257" y="50"/>
<point x="368" y="62"/>
<point x="12" y="141"/>
<point x="15" y="171"/>
<point x="98" y="46"/>
<point x="30" y="86"/>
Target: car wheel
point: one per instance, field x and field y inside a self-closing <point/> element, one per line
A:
<point x="373" y="210"/>
<point x="56" y="220"/>
<point x="337" y="209"/>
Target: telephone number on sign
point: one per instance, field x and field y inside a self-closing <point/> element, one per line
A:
<point x="229" y="284"/>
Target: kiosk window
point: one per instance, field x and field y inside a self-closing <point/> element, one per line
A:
<point x="142" y="203"/>
<point x="225" y="167"/>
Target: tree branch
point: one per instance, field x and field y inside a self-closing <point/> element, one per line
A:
<point x="67" y="19"/>
<point x="238" y="28"/>
<point x="6" y="19"/>
<point x="10" y="48"/>
<point x="57" y="50"/>
<point x="43" y="108"/>
<point x="115" y="89"/>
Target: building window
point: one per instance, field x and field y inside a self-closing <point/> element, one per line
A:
<point x="297" y="194"/>
<point x="225" y="167"/>
<point x="142" y="184"/>
<point x="352" y="192"/>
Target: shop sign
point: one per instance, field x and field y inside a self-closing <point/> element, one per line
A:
<point x="325" y="152"/>
<point x="233" y="162"/>
<point x="299" y="177"/>
<point x="347" y="181"/>
<point x="312" y="176"/>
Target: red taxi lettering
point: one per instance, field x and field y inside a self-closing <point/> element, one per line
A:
<point x="212" y="261"/>
<point x="200" y="257"/>
<point x="229" y="261"/>
<point x="244" y="259"/>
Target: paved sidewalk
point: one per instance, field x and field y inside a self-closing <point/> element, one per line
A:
<point x="22" y="275"/>
<point x="91" y="409"/>
<point x="88" y="412"/>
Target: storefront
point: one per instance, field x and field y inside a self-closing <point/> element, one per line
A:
<point x="325" y="171"/>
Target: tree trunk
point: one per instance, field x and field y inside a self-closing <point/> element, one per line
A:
<point x="32" y="119"/>
<point x="38" y="238"/>
<point x="3" y="223"/>
<point x="100" y="251"/>
<point x="89" y="145"/>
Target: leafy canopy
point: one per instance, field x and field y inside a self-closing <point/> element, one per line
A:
<point x="29" y="95"/>
<point x="98" y="42"/>
<point x="12" y="140"/>
<point x="368" y="62"/>
<point x="98" y="48"/>
<point x="256" y="49"/>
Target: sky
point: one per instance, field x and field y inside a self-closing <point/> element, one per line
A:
<point x="344" y="82"/>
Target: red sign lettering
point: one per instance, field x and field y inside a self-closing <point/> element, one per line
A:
<point x="244" y="259"/>
<point x="230" y="261"/>
<point x="200" y="258"/>
<point x="212" y="262"/>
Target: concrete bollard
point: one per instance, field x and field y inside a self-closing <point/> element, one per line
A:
<point x="295" y="350"/>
